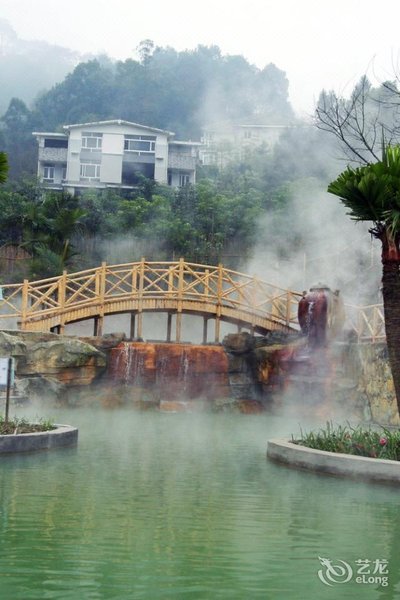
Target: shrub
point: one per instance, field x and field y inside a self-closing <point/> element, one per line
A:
<point x="374" y="443"/>
<point x="20" y="425"/>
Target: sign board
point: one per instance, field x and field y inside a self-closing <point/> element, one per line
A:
<point x="4" y="370"/>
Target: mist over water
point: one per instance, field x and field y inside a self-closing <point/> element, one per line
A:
<point x="151" y="505"/>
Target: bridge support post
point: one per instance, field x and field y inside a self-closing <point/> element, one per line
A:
<point x="132" y="326"/>
<point x="178" y="326"/>
<point x="140" y="325"/>
<point x="205" y="327"/>
<point x="98" y="326"/>
<point x="24" y="304"/>
<point x="59" y="329"/>
<point x="217" y="329"/>
<point x="169" y="326"/>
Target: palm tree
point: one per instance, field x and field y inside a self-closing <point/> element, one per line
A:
<point x="48" y="227"/>
<point x="372" y="193"/>
<point x="3" y="167"/>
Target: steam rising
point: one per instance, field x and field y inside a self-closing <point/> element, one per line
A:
<point x="330" y="248"/>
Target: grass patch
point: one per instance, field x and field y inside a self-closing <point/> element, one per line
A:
<point x="383" y="443"/>
<point x="15" y="426"/>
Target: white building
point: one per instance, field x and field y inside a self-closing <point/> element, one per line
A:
<point x="112" y="154"/>
<point x="227" y="141"/>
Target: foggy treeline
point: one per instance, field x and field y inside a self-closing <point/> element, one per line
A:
<point x="177" y="91"/>
<point x="29" y="68"/>
<point x="267" y="212"/>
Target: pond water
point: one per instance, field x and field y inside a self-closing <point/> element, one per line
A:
<point x="153" y="505"/>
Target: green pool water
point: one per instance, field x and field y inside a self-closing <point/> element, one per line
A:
<point x="153" y="505"/>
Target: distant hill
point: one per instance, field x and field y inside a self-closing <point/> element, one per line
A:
<point x="28" y="68"/>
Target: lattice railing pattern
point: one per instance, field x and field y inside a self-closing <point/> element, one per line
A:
<point x="368" y="322"/>
<point x="181" y="281"/>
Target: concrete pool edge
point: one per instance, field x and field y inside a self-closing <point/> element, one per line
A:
<point x="62" y="436"/>
<point x="343" y="465"/>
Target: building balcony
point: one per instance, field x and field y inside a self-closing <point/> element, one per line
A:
<point x="53" y="155"/>
<point x="139" y="157"/>
<point x="181" y="161"/>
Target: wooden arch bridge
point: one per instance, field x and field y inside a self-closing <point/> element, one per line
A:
<point x="175" y="288"/>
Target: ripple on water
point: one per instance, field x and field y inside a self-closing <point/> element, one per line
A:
<point x="161" y="506"/>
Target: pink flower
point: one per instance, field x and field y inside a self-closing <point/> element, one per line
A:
<point x="383" y="441"/>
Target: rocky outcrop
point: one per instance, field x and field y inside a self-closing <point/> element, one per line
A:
<point x="363" y="378"/>
<point x="257" y="366"/>
<point x="67" y="360"/>
<point x="341" y="380"/>
<point x="48" y="364"/>
<point x="247" y="373"/>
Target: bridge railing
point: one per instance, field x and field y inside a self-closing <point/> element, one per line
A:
<point x="188" y="284"/>
<point x="178" y="280"/>
<point x="368" y="322"/>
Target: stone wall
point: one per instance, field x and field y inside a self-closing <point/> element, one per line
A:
<point x="365" y="369"/>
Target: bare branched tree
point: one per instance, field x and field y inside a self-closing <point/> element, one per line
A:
<point x="364" y="123"/>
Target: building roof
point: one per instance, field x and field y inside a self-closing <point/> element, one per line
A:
<point x="119" y="122"/>
<point x="256" y="125"/>
<point x="222" y="126"/>
<point x="185" y="143"/>
<point x="49" y="134"/>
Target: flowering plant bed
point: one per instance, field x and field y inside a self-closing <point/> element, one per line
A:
<point x="16" y="426"/>
<point x="359" y="441"/>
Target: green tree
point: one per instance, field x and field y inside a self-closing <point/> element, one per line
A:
<point x="46" y="225"/>
<point x="86" y="94"/>
<point x="3" y="167"/>
<point x="372" y="193"/>
<point x="17" y="126"/>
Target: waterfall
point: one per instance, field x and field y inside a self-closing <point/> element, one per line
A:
<point x="170" y="372"/>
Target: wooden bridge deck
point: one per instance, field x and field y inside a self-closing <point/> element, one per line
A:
<point x="175" y="288"/>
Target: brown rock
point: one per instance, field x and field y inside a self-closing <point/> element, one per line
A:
<point x="68" y="360"/>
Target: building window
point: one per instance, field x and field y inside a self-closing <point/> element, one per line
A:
<point x="184" y="179"/>
<point x="55" y="143"/>
<point x="247" y="134"/>
<point x="64" y="172"/>
<point x="90" y="171"/>
<point x="48" y="173"/>
<point x="140" y="143"/>
<point x="91" y="140"/>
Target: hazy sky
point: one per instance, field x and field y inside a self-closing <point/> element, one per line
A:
<point x="319" y="44"/>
